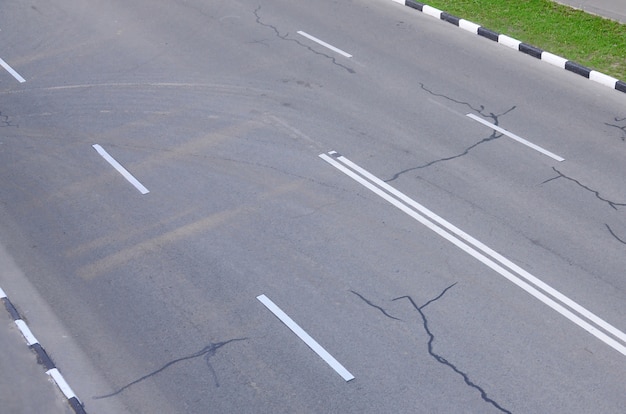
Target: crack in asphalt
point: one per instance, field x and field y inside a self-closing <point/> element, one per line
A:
<point x="207" y="352"/>
<point x="613" y="204"/>
<point x="620" y="127"/>
<point x="479" y="110"/>
<point x="439" y="95"/>
<point x="315" y="210"/>
<point x="285" y="37"/>
<point x="5" y="122"/>
<point x="442" y="360"/>
<point x="613" y="234"/>
<point x="375" y="306"/>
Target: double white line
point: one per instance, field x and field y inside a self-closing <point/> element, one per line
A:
<point x="515" y="274"/>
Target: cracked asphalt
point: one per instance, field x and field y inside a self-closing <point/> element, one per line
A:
<point x="447" y="267"/>
<point x="207" y="352"/>
<point x="613" y="204"/>
<point x="480" y="110"/>
<point x="288" y="37"/>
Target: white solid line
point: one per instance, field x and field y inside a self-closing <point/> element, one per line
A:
<point x="2" y="294"/>
<point x="331" y="47"/>
<point x="481" y="246"/>
<point x="516" y="138"/>
<point x="28" y="335"/>
<point x="295" y="328"/>
<point x="482" y="258"/>
<point x="61" y="383"/>
<point x="120" y="169"/>
<point x="9" y="69"/>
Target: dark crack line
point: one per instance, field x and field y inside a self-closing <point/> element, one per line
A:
<point x="597" y="193"/>
<point x="493" y="136"/>
<point x="4" y="121"/>
<point x="375" y="306"/>
<point x="551" y="179"/>
<point x="613" y="234"/>
<point x="285" y="37"/>
<point x="207" y="352"/>
<point x="438" y="297"/>
<point x="620" y="127"/>
<point x="441" y="359"/>
<point x="479" y="110"/>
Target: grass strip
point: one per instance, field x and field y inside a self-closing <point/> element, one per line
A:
<point x="589" y="40"/>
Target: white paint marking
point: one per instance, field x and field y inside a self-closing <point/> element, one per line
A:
<point x="2" y="294"/>
<point x="295" y="328"/>
<point x="120" y="169"/>
<point x="503" y="260"/>
<point x="482" y="258"/>
<point x="61" y="383"/>
<point x="321" y="42"/>
<point x="516" y="138"/>
<point x="9" y="69"/>
<point x="28" y="335"/>
<point x="553" y="59"/>
<point x="399" y="1"/>
<point x="469" y="26"/>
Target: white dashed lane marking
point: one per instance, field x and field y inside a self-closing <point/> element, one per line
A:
<point x="326" y="45"/>
<point x="131" y="179"/>
<point x="516" y="138"/>
<point x="13" y="73"/>
<point x="312" y="343"/>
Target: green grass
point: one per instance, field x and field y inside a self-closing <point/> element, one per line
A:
<point x="589" y="40"/>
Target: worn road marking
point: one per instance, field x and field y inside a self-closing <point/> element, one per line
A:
<point x="9" y="69"/>
<point x="516" y="138"/>
<point x="454" y="235"/>
<point x="331" y="47"/>
<point x="120" y="169"/>
<point x="312" y="343"/>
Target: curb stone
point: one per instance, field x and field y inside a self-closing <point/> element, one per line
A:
<point x="525" y="48"/>
<point x="42" y="356"/>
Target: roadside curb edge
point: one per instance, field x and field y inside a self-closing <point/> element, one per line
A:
<point x="525" y="48"/>
<point x="42" y="356"/>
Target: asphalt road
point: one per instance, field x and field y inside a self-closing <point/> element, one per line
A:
<point x="613" y="9"/>
<point x="147" y="300"/>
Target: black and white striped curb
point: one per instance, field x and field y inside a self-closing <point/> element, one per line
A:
<point x="42" y="355"/>
<point x="517" y="45"/>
